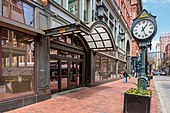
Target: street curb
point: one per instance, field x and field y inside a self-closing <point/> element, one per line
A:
<point x="161" y="103"/>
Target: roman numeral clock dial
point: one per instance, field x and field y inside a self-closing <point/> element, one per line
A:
<point x="143" y="29"/>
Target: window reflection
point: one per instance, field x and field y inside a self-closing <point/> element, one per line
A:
<point x="17" y="64"/>
<point x="61" y="39"/>
<point x="58" y="1"/>
<point x="28" y="14"/>
<point x="73" y="7"/>
<point x="72" y="40"/>
<point x="104" y="69"/>
<point x="19" y="11"/>
<point x="68" y="40"/>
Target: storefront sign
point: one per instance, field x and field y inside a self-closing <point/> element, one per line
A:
<point x="19" y="11"/>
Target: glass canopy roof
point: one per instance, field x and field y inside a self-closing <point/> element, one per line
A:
<point x="98" y="35"/>
<point x="98" y="39"/>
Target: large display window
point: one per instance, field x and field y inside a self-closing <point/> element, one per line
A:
<point x="105" y="68"/>
<point x="17" y="64"/>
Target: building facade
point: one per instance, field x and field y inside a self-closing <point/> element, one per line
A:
<point x="164" y="41"/>
<point x="136" y="8"/>
<point x="158" y="57"/>
<point x="62" y="45"/>
<point x="167" y="58"/>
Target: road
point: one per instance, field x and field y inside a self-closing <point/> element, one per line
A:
<point x="162" y="84"/>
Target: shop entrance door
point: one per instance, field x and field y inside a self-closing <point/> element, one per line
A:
<point x="75" y="76"/>
<point x="66" y="74"/>
<point x="71" y="74"/>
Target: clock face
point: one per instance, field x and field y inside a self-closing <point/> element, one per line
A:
<point x="143" y="29"/>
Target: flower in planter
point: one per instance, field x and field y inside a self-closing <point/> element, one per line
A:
<point x="140" y="92"/>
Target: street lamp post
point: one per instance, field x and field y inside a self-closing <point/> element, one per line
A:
<point x="143" y="79"/>
<point x="98" y="13"/>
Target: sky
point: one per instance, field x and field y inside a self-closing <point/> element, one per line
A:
<point x="160" y="9"/>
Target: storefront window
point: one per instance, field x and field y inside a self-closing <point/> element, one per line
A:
<point x="69" y="40"/>
<point x="97" y="68"/>
<point x="17" y="64"/>
<point x="28" y="14"/>
<point x="19" y="11"/>
<point x="121" y="67"/>
<point x="104" y="69"/>
<point x="73" y="7"/>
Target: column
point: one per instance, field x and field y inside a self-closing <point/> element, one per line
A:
<point x="117" y="33"/>
<point x="17" y="61"/>
<point x="81" y="9"/>
<point x="90" y="11"/>
<point x="25" y="56"/>
<point x="4" y="60"/>
<point x="113" y="65"/>
<point x="100" y="69"/>
<point x="10" y="46"/>
<point x="90" y="68"/>
<point x="128" y="64"/>
<point x="42" y="64"/>
<point x="117" y="67"/>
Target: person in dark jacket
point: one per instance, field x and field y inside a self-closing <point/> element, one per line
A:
<point x="125" y="76"/>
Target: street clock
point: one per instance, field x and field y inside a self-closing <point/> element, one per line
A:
<point x="143" y="30"/>
<point x="144" y="27"/>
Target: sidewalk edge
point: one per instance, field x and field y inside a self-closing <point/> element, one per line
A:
<point x="161" y="103"/>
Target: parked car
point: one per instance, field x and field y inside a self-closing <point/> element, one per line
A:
<point x="155" y="73"/>
<point x="163" y="73"/>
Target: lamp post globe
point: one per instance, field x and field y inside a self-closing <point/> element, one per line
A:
<point x="100" y="11"/>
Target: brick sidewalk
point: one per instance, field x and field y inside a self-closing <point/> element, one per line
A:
<point x="106" y="98"/>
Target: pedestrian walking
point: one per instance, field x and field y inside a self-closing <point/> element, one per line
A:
<point x="125" y="76"/>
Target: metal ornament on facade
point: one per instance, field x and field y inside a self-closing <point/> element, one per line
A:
<point x="44" y="2"/>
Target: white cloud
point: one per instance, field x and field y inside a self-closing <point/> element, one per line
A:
<point x="154" y="42"/>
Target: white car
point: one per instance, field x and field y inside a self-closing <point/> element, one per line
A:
<point x="163" y="73"/>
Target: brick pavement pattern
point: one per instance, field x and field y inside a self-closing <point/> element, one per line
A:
<point x="106" y="98"/>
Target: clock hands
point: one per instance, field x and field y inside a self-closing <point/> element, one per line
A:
<point x="144" y="31"/>
<point x="143" y="28"/>
<point x="145" y="25"/>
